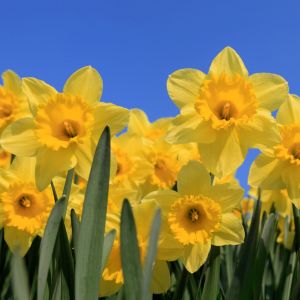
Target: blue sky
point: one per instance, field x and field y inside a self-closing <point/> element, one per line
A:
<point x="135" y="45"/>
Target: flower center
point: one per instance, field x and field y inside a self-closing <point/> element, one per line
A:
<point x="193" y="219"/>
<point x="8" y="107"/>
<point x="226" y="100"/>
<point x="25" y="201"/>
<point x="63" y="120"/>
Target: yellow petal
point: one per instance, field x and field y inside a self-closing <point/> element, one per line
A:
<point x="231" y="231"/>
<point x="228" y="195"/>
<point x="265" y="172"/>
<point x="86" y="83"/>
<point x="24" y="167"/>
<point x="189" y="128"/>
<point x="84" y="154"/>
<point x="184" y="86"/>
<point x="291" y="178"/>
<point x="195" y="256"/>
<point x="19" y="138"/>
<point x="138" y="122"/>
<point x="107" y="114"/>
<point x="50" y="163"/>
<point x="224" y="155"/>
<point x="193" y="179"/>
<point x="108" y="287"/>
<point x="12" y="82"/>
<point x="161" y="280"/>
<point x="37" y="92"/>
<point x="270" y="89"/>
<point x="228" y="62"/>
<point x="169" y="248"/>
<point x="253" y="134"/>
<point x="18" y="241"/>
<point x="289" y="111"/>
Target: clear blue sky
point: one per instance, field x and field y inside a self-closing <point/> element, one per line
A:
<point x="136" y="44"/>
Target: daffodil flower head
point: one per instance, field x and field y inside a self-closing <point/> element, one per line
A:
<point x="226" y="111"/>
<point x="13" y="102"/>
<point x="63" y="128"/>
<point x="278" y="167"/>
<point x="24" y="209"/>
<point x="199" y="214"/>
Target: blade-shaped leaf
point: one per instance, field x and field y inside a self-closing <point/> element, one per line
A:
<point x="19" y="278"/>
<point x="75" y="229"/>
<point x="47" y="244"/>
<point x="151" y="254"/>
<point x="130" y="255"/>
<point x="91" y="233"/>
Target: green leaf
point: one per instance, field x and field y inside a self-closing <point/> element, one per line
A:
<point x="289" y="276"/>
<point x="66" y="259"/>
<point x="75" y="224"/>
<point x="181" y="285"/>
<point x="151" y="255"/>
<point x="212" y="276"/>
<point x="297" y="227"/>
<point x="61" y="289"/>
<point x="130" y="254"/>
<point x="91" y="233"/>
<point x="47" y="244"/>
<point x="107" y="246"/>
<point x="19" y="278"/>
<point x="242" y="281"/>
<point x="266" y="241"/>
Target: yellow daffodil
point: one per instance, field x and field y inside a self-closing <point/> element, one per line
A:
<point x="112" y="277"/>
<point x="199" y="215"/>
<point x="226" y="111"/>
<point x="64" y="127"/>
<point x="5" y="159"/>
<point x="286" y="228"/>
<point x="24" y="209"/>
<point x="13" y="102"/>
<point x="278" y="167"/>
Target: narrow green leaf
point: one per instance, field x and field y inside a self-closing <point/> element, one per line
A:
<point x="75" y="229"/>
<point x="289" y="276"/>
<point x="66" y="259"/>
<point x="107" y="246"/>
<point x="61" y="289"/>
<point x="297" y="227"/>
<point x="19" y="278"/>
<point x="130" y="255"/>
<point x="264" y="246"/>
<point x="151" y="255"/>
<point x="181" y="285"/>
<point x="212" y="276"/>
<point x="242" y="281"/>
<point x="68" y="184"/>
<point x="295" y="293"/>
<point x="47" y="245"/>
<point x="91" y="233"/>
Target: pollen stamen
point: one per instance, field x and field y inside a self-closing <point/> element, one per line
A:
<point x="194" y="215"/>
<point x="25" y="201"/>
<point x="69" y="129"/>
<point x="296" y="152"/>
<point x="226" y="110"/>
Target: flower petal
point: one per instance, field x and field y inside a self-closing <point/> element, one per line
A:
<point x="228" y="62"/>
<point x="231" y="231"/>
<point x="184" y="85"/>
<point x="50" y="163"/>
<point x="224" y="155"/>
<point x="108" y="114"/>
<point x="24" y="167"/>
<point x="270" y="89"/>
<point x="291" y="177"/>
<point x="37" y="92"/>
<point x="86" y="83"/>
<point x="193" y="179"/>
<point x="265" y="172"/>
<point x="289" y="111"/>
<point x="161" y="279"/>
<point x="138" y="122"/>
<point x="18" y="241"/>
<point x="19" y="138"/>
<point x="12" y="82"/>
<point x="253" y="134"/>
<point x="229" y="196"/>
<point x="108" y="287"/>
<point x="195" y="256"/>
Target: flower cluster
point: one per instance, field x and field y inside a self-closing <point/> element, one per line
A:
<point x="184" y="165"/>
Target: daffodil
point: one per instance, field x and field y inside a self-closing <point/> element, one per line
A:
<point x="112" y="277"/>
<point x="63" y="128"/>
<point x="278" y="167"/>
<point x="226" y="111"/>
<point x="13" y="102"/>
<point x="24" y="209"/>
<point x="5" y="159"/>
<point x="286" y="226"/>
<point x="199" y="214"/>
